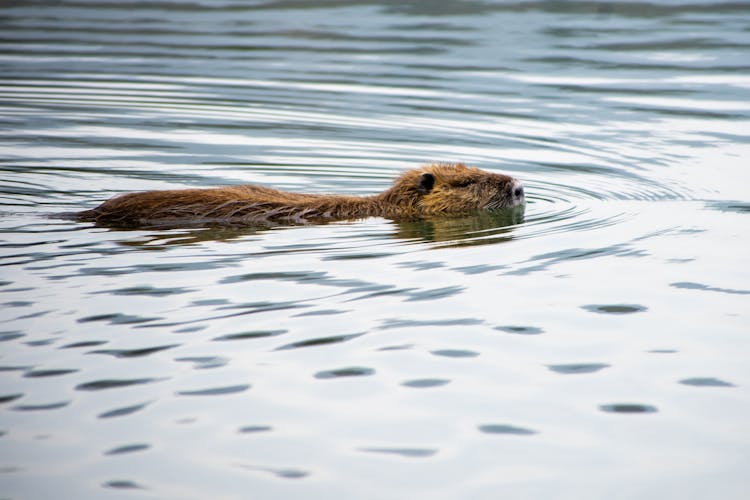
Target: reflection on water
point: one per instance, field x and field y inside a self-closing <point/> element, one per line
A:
<point x="480" y="229"/>
<point x="551" y="352"/>
<point x="477" y="229"/>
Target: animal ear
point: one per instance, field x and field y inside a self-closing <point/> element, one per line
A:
<point x="426" y="183"/>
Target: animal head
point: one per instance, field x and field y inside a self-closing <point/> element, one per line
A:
<point x="456" y="188"/>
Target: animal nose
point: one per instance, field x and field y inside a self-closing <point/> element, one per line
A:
<point x="518" y="190"/>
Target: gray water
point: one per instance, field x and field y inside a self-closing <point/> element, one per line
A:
<point x="598" y="348"/>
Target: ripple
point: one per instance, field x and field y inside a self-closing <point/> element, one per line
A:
<point x="123" y="411"/>
<point x="42" y="407"/>
<point x="14" y="368"/>
<point x="148" y="291"/>
<point x="216" y="391"/>
<point x="698" y="286"/>
<point x="250" y="335"/>
<point x="322" y="312"/>
<point x="354" y="371"/>
<point x="284" y="473"/>
<point x="123" y="484"/>
<point x="520" y="330"/>
<point x="455" y="353"/>
<point x="706" y="382"/>
<point x="426" y="383"/>
<point x="628" y="408"/>
<point x="401" y="347"/>
<point x="84" y="343"/>
<point x="205" y="362"/>
<point x="615" y="308"/>
<point x="506" y="429"/>
<point x="435" y="293"/>
<point x="335" y="339"/>
<point x="8" y="336"/>
<point x="403" y="452"/>
<point x="41" y="342"/>
<point x="17" y="303"/>
<point x="48" y="373"/>
<point x="253" y="429"/>
<point x="128" y="448"/>
<point x="99" y="385"/>
<point x="7" y="398"/>
<point x="117" y="319"/>
<point x="578" y="368"/>
<point x="730" y="206"/>
<point x="360" y="256"/>
<point x="410" y="323"/>
<point x="554" y="207"/>
<point x="421" y="265"/>
<point x="134" y="353"/>
<point x="479" y="269"/>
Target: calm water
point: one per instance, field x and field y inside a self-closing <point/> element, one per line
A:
<point x="598" y="348"/>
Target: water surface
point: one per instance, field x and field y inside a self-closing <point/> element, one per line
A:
<point x="596" y="347"/>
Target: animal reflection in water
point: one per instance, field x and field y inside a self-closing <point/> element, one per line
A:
<point x="478" y="229"/>
<point x="434" y="190"/>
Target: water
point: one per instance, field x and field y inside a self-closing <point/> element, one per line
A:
<point x="596" y="348"/>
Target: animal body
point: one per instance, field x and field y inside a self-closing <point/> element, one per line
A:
<point x="432" y="190"/>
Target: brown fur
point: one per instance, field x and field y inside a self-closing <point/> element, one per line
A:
<point x="437" y="189"/>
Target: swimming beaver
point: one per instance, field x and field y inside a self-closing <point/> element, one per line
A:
<point x="437" y="189"/>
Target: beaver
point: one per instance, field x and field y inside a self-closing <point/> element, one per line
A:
<point x="432" y="190"/>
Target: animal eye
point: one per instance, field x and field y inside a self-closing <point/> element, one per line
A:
<point x="426" y="183"/>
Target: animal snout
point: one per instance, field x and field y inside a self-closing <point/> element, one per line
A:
<point x="519" y="196"/>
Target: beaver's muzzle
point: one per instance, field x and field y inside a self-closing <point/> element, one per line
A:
<point x="518" y="194"/>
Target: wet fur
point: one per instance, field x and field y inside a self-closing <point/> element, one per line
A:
<point x="438" y="189"/>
